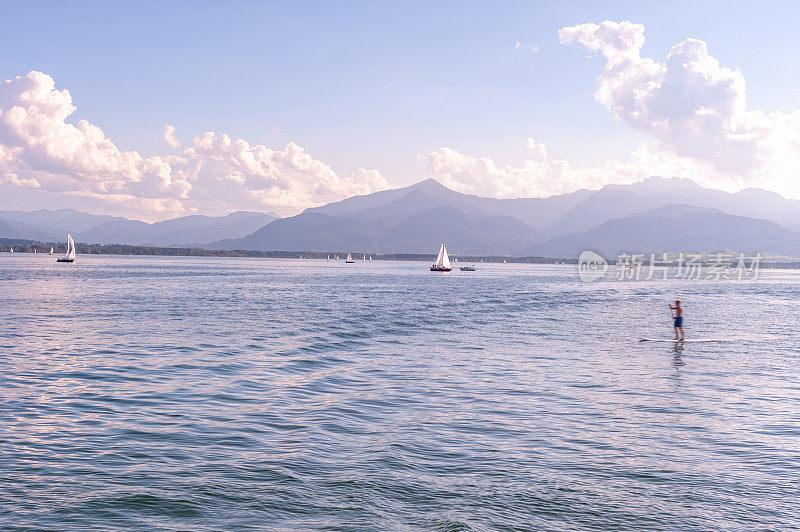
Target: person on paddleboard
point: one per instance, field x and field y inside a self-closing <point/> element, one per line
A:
<point x="677" y="318"/>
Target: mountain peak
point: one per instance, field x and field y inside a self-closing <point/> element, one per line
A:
<point x="428" y="185"/>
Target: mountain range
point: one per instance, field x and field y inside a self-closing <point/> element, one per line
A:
<point x="676" y="228"/>
<point x="196" y="230"/>
<point x="653" y="216"/>
<point x="656" y="215"/>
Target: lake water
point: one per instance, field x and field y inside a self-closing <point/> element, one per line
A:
<point x="161" y="393"/>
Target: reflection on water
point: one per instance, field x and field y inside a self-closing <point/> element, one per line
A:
<point x="225" y="394"/>
<point x="677" y="354"/>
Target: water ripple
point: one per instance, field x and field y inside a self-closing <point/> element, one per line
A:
<point x="159" y="393"/>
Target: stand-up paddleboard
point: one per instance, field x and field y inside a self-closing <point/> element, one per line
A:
<point x="681" y="341"/>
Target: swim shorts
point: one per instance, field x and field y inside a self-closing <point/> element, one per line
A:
<point x="679" y="322"/>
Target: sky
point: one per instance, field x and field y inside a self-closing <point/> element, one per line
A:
<point x="159" y="109"/>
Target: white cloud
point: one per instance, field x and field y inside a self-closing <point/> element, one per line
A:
<point x="536" y="148"/>
<point x="169" y="136"/>
<point x="693" y="107"/>
<point x="62" y="156"/>
<point x="39" y="148"/>
<point x="541" y="176"/>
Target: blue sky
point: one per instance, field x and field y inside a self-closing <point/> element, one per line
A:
<point x="375" y="85"/>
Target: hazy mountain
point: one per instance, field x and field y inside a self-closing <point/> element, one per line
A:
<point x="47" y="225"/>
<point x="19" y="230"/>
<point x="183" y="231"/>
<point x="616" y="201"/>
<point x="58" y="223"/>
<point x="676" y="228"/>
<point x="464" y="233"/>
<point x="537" y="213"/>
<point x="414" y="219"/>
<point x="308" y="231"/>
<point x="399" y="231"/>
<point x="417" y="218"/>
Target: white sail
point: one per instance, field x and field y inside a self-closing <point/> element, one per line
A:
<point x="51" y="251"/>
<point x="365" y="257"/>
<point x="442" y="260"/>
<point x="349" y="258"/>
<point x="70" y="247"/>
<point x="11" y="249"/>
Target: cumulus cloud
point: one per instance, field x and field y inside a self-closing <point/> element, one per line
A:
<point x="289" y="178"/>
<point x="692" y="106"/>
<point x="541" y="176"/>
<point x="169" y="136"/>
<point x="45" y="149"/>
<point x="536" y="148"/>
<point x="40" y="149"/>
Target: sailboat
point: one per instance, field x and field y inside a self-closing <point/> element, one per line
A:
<point x="51" y="250"/>
<point x="11" y="249"/>
<point x="349" y="259"/>
<point x="336" y="257"/>
<point x="370" y="257"/>
<point x="329" y="257"/>
<point x="365" y="257"/>
<point x="442" y="263"/>
<point x="70" y="256"/>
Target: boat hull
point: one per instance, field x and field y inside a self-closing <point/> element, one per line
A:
<point x="435" y="269"/>
<point x="65" y="260"/>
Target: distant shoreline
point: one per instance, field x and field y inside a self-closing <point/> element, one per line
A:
<point x="28" y="246"/>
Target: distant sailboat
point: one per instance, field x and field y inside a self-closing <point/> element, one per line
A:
<point x="51" y="251"/>
<point x="349" y="259"/>
<point x="336" y="257"/>
<point x="442" y="263"/>
<point x="329" y="257"/>
<point x="365" y="257"/>
<point x="370" y="257"/>
<point x="70" y="256"/>
<point x="11" y="249"/>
